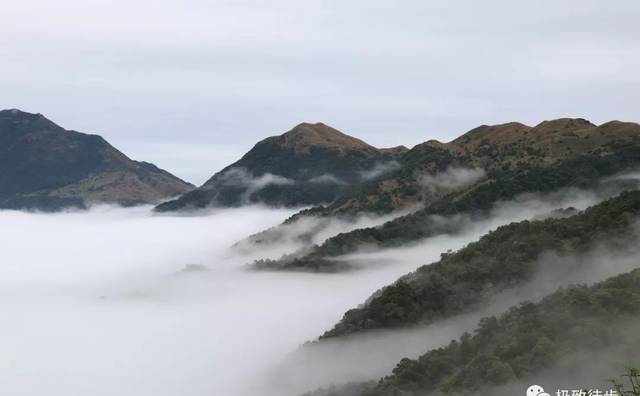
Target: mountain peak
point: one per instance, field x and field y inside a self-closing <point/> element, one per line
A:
<point x="12" y="111"/>
<point x="504" y="134"/>
<point x="561" y="124"/>
<point x="306" y="135"/>
<point x="23" y="122"/>
<point x="17" y="113"/>
<point x="493" y="134"/>
<point x="312" y="163"/>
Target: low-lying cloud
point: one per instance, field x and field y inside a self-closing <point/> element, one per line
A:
<point x="327" y="179"/>
<point x="97" y="303"/>
<point x="241" y="177"/>
<point x="306" y="231"/>
<point x="379" y="169"/>
<point x="452" y="178"/>
<point x="371" y="355"/>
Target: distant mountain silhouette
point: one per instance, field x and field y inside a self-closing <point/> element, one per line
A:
<point x="46" y="167"/>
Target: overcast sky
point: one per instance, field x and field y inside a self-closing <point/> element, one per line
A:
<point x="192" y="87"/>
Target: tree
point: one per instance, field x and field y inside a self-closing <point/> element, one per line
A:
<point x="633" y="387"/>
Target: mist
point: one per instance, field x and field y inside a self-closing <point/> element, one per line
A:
<point x="241" y="177"/>
<point x="452" y="178"/>
<point x="121" y="301"/>
<point x="293" y="239"/>
<point x="373" y="354"/>
<point x="308" y="230"/>
<point x="98" y="302"/>
<point x="327" y="179"/>
<point x="379" y="169"/>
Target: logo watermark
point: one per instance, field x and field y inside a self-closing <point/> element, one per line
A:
<point x="537" y="390"/>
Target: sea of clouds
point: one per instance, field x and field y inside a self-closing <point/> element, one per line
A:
<point x="99" y="302"/>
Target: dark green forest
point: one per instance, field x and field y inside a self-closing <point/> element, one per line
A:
<point x="523" y="342"/>
<point x="502" y="259"/>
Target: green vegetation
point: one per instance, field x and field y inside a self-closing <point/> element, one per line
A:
<point x="517" y="159"/>
<point x="630" y="385"/>
<point x="523" y="342"/>
<point x="585" y="171"/>
<point x="398" y="189"/>
<point x="581" y="172"/>
<point x="502" y="259"/>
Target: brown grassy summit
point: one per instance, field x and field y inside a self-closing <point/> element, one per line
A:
<point x="564" y="124"/>
<point x="548" y="142"/>
<point x="306" y="135"/>
<point x="509" y="146"/>
<point x="501" y="134"/>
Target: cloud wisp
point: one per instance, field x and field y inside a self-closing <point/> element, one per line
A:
<point x="327" y="179"/>
<point x="452" y="178"/>
<point x="379" y="169"/>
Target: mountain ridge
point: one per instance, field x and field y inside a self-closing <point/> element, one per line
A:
<point x="507" y="145"/>
<point x="566" y="154"/>
<point x="47" y="167"/>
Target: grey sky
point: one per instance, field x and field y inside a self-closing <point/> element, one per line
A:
<point x="193" y="85"/>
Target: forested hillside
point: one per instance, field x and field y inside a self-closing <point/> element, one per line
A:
<point x="517" y="160"/>
<point x="570" y="329"/>
<point x="503" y="259"/>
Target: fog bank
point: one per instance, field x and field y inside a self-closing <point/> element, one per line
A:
<point x="99" y="302"/>
<point x="373" y="354"/>
<point x="96" y="303"/>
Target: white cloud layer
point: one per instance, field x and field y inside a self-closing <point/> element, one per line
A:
<point x="96" y="303"/>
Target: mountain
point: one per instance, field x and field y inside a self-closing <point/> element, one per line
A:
<point x="310" y="164"/>
<point x="504" y="259"/>
<point x="470" y="175"/>
<point x="46" y="167"/>
<point x="493" y="148"/>
<point x="578" y="333"/>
